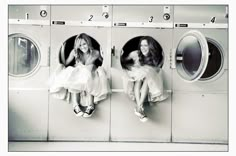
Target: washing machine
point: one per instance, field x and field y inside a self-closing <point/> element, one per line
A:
<point x="66" y="23"/>
<point x="199" y="61"/>
<point x="130" y="23"/>
<point x="28" y="66"/>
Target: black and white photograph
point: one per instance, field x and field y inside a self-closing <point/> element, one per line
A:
<point x="118" y="77"/>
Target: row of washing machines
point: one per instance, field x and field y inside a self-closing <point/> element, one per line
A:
<point x="197" y="79"/>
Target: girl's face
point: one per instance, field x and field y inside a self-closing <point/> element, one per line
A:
<point x="144" y="47"/>
<point x="83" y="46"/>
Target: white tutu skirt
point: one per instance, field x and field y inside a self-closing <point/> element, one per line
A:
<point x="79" y="79"/>
<point x="153" y="76"/>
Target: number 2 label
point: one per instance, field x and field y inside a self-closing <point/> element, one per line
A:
<point x="90" y="18"/>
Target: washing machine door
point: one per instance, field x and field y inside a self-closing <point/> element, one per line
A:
<point x="191" y="56"/>
<point x="24" y="55"/>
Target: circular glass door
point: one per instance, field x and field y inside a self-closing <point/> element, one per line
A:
<point x="24" y="55"/>
<point x="191" y="56"/>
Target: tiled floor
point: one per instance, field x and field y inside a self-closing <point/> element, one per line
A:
<point x="112" y="146"/>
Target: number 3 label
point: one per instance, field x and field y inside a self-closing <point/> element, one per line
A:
<point x="150" y="19"/>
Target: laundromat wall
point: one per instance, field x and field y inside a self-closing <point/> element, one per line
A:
<point x="195" y="112"/>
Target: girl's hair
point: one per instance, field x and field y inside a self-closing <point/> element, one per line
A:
<point x="87" y="39"/>
<point x="154" y="56"/>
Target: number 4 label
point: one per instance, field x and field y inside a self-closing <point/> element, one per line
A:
<point x="213" y="19"/>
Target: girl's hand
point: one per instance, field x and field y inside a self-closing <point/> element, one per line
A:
<point x="75" y="54"/>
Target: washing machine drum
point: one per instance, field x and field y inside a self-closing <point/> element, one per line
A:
<point x="69" y="46"/>
<point x="215" y="60"/>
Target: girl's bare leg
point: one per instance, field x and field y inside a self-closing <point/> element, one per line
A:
<point x="75" y="98"/>
<point x="90" y="106"/>
<point x="137" y="87"/>
<point x="90" y="100"/>
<point x="142" y="89"/>
<point x="144" y="93"/>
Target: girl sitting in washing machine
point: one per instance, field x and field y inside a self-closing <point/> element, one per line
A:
<point x="143" y="74"/>
<point x="85" y="81"/>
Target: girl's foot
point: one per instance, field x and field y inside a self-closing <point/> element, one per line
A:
<point x="89" y="111"/>
<point x="143" y="118"/>
<point x="78" y="111"/>
<point x="140" y="113"/>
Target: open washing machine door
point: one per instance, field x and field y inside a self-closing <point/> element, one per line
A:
<point x="191" y="56"/>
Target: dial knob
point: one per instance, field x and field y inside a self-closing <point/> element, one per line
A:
<point x="43" y="13"/>
<point x="105" y="14"/>
<point x="166" y="16"/>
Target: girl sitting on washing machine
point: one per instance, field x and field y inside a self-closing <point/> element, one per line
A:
<point x="143" y="74"/>
<point x="85" y="81"/>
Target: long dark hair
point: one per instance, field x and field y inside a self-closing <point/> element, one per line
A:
<point x="87" y="39"/>
<point x="154" y="57"/>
